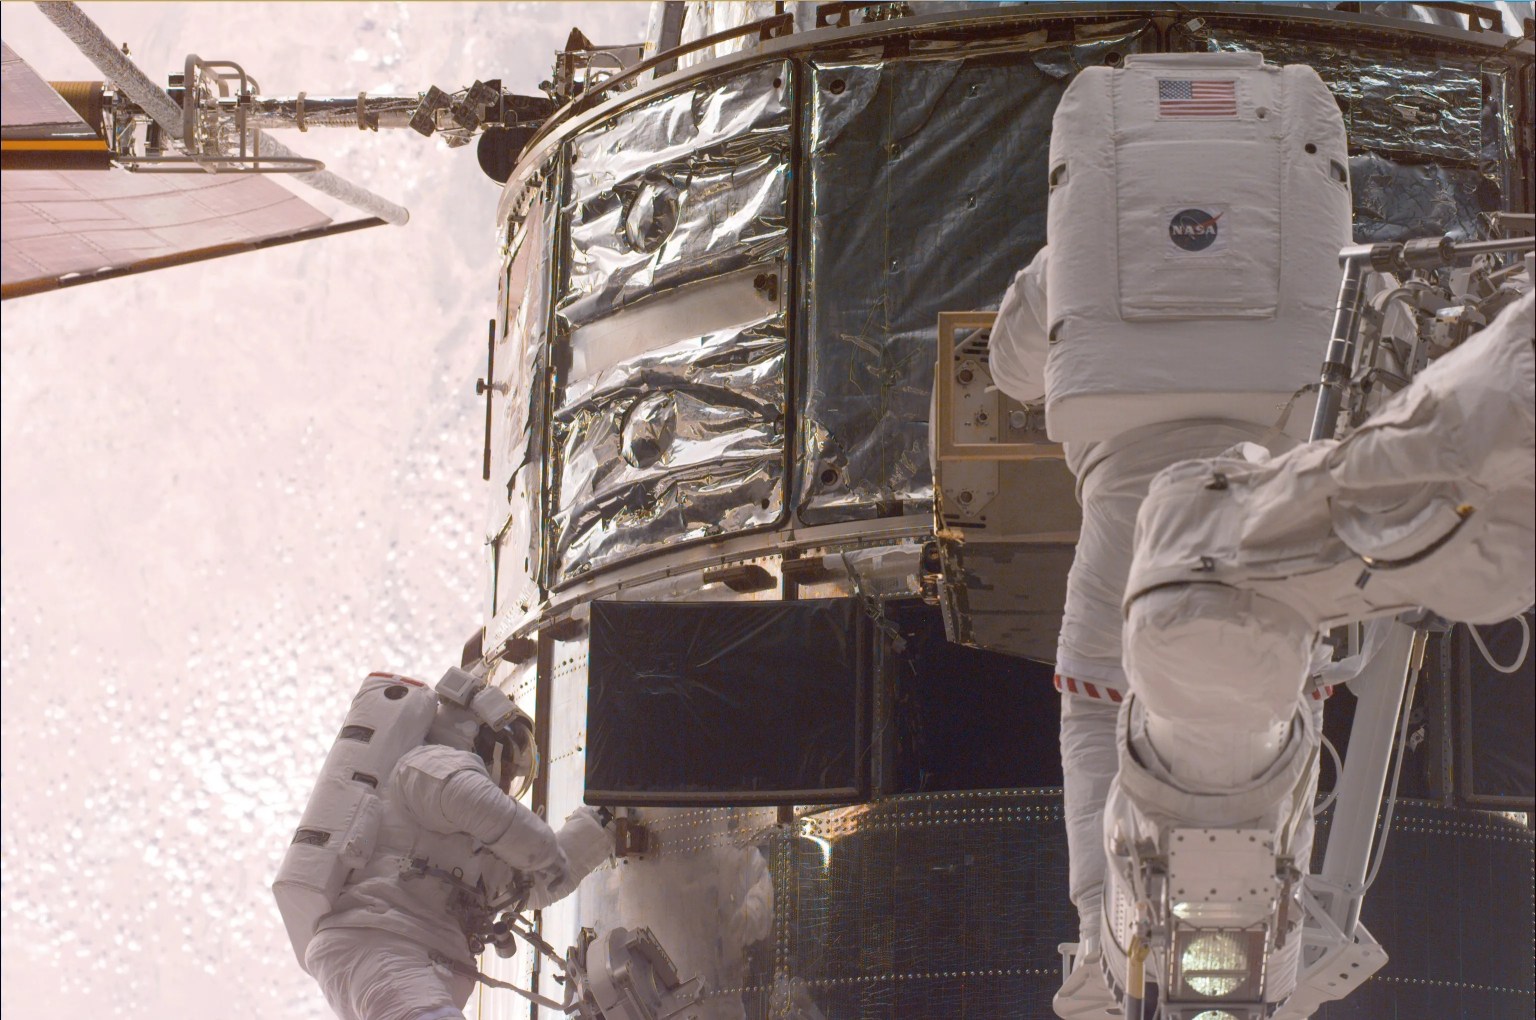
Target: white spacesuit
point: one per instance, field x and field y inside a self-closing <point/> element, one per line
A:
<point x="1197" y="206"/>
<point x="389" y="886"/>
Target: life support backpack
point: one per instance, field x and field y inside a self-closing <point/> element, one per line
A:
<point x="1197" y="207"/>
<point x="389" y="716"/>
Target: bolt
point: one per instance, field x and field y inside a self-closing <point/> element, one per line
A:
<point x="1018" y="419"/>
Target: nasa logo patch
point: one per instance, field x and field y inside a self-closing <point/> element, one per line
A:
<point x="1195" y="230"/>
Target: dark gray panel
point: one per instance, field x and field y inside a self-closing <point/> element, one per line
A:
<point x="1453" y="907"/>
<point x="726" y="703"/>
<point x="927" y="194"/>
<point x="1498" y="762"/>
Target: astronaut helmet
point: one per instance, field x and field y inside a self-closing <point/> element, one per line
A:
<point x="509" y="752"/>
<point x="485" y="721"/>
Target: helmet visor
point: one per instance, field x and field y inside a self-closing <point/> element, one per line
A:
<point x="511" y="756"/>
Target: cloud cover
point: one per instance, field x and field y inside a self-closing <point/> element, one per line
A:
<point x="231" y="490"/>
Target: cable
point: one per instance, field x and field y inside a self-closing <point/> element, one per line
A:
<point x="1397" y="773"/>
<point x="485" y="979"/>
<point x="531" y="937"/>
<point x="1338" y="773"/>
<point x="1525" y="645"/>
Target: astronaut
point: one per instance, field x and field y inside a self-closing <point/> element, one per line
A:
<point x="391" y="886"/>
<point x="1197" y="206"/>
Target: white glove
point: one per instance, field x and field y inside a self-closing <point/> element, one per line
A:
<point x="585" y="845"/>
<point x="546" y="880"/>
<point x="587" y="842"/>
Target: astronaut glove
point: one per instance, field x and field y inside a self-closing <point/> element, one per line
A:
<point x="550" y="884"/>
<point x="585" y="845"/>
<point x="586" y="841"/>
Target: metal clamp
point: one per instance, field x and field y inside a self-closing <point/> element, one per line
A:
<point x="947" y="446"/>
<point x="1419" y="253"/>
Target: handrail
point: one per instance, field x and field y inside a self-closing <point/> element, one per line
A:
<point x="767" y="28"/>
<point x="577" y="115"/>
<point x="1476" y="16"/>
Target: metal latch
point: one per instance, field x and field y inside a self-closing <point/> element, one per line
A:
<point x="631" y="838"/>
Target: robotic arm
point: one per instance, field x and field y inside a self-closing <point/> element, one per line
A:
<point x="1241" y="561"/>
<point x="1428" y="503"/>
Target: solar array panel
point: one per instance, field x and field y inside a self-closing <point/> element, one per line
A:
<point x="61" y="226"/>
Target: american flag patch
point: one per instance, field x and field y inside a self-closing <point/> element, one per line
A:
<point x="1182" y="97"/>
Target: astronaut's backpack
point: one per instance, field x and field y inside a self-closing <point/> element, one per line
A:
<point x="1198" y="204"/>
<point x="389" y="715"/>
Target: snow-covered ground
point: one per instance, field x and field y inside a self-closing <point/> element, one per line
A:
<point x="230" y="491"/>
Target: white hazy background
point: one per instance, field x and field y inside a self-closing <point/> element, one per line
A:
<point x="230" y="491"/>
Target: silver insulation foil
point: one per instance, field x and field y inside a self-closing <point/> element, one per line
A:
<point x="926" y="194"/>
<point x="919" y="192"/>
<point x="686" y="188"/>
<point x="1432" y="137"/>
<point x="520" y="426"/>
<point x="682" y="442"/>
<point x="667" y="429"/>
<point x="1396" y="200"/>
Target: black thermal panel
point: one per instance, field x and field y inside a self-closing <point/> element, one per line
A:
<point x="1452" y="906"/>
<point x="728" y="703"/>
<point x="965" y="718"/>
<point x="1498" y="767"/>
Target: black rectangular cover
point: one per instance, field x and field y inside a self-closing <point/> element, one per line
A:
<point x="1498" y="757"/>
<point x="728" y="703"/>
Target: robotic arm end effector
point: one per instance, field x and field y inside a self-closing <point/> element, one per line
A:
<point x="1241" y="560"/>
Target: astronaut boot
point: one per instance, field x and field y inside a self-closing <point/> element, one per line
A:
<point x="1084" y="995"/>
